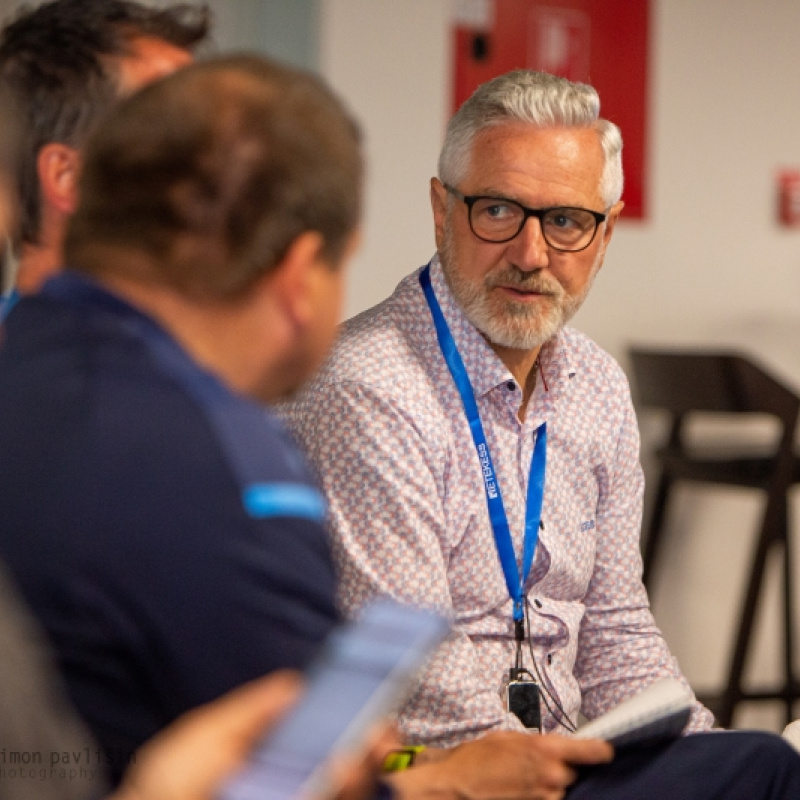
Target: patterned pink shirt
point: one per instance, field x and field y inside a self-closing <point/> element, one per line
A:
<point x="384" y="424"/>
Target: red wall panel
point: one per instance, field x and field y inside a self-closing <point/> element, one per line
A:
<point x="601" y="42"/>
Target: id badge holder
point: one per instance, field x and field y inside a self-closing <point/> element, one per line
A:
<point x="523" y="698"/>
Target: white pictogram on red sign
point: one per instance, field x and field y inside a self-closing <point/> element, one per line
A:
<point x="558" y="42"/>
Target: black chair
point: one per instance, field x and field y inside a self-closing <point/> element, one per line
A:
<point x="689" y="383"/>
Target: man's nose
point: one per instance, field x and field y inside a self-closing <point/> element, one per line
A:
<point x="528" y="249"/>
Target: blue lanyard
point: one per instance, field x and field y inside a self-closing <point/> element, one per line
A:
<point x="7" y="302"/>
<point x="494" y="499"/>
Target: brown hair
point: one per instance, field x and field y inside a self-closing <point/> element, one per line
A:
<point x="215" y="171"/>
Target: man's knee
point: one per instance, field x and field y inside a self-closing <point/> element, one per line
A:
<point x="735" y="765"/>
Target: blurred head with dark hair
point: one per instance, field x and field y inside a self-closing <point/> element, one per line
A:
<point x="9" y="153"/>
<point x="9" y="211"/>
<point x="65" y="62"/>
<point x="233" y="185"/>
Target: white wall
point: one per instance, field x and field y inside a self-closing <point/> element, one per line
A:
<point x="284" y="29"/>
<point x="390" y="61"/>
<point x="725" y="116"/>
<point x="709" y="263"/>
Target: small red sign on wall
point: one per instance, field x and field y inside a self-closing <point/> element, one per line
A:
<point x="601" y="42"/>
<point x="789" y="198"/>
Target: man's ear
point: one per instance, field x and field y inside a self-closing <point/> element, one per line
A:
<point x="608" y="232"/>
<point x="295" y="278"/>
<point x="439" y="206"/>
<point x="58" y="167"/>
<point x="611" y="221"/>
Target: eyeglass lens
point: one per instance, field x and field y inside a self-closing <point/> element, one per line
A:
<point x="500" y="220"/>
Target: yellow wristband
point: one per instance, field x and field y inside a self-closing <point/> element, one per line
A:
<point x="402" y="759"/>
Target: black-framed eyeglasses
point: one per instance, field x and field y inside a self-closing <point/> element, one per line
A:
<point x="498" y="220"/>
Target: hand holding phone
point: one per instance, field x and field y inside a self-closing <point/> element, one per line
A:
<point x="363" y="673"/>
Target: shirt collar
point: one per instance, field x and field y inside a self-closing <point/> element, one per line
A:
<point x="82" y="291"/>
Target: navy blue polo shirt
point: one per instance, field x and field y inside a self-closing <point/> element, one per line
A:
<point x="165" y="530"/>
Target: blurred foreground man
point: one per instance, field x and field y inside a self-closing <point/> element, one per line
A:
<point x="165" y="530"/>
<point x="47" y="752"/>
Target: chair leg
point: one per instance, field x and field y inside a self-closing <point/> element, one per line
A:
<point x="773" y="521"/>
<point x="790" y="685"/>
<point x="655" y="528"/>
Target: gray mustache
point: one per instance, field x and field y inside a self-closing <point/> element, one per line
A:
<point x="525" y="281"/>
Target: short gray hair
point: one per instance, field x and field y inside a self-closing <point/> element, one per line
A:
<point x="542" y="100"/>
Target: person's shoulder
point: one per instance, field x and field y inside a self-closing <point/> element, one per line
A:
<point x="246" y="440"/>
<point x="382" y="346"/>
<point x="138" y="402"/>
<point x="592" y="361"/>
<point x="382" y="367"/>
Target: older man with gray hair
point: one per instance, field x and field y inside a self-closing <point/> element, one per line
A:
<point x="481" y="457"/>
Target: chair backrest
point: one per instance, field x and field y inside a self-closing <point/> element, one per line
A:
<point x="682" y="381"/>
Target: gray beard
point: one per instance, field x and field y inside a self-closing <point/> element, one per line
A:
<point x="507" y="323"/>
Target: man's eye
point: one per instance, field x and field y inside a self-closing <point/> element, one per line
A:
<point x="497" y="211"/>
<point x="562" y="220"/>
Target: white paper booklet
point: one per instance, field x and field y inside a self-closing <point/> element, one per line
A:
<point x="660" y="712"/>
<point x="792" y="734"/>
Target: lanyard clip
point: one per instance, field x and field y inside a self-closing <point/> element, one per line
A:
<point x="519" y="630"/>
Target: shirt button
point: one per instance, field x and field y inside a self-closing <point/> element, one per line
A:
<point x="537" y="603"/>
<point x="511" y="386"/>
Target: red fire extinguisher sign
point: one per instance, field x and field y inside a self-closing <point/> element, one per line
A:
<point x="601" y="42"/>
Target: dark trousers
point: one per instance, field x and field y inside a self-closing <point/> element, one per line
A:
<point x="729" y="765"/>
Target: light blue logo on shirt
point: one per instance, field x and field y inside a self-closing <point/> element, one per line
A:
<point x="263" y="500"/>
<point x="7" y="302"/>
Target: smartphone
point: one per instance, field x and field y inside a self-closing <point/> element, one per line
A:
<point x="363" y="673"/>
